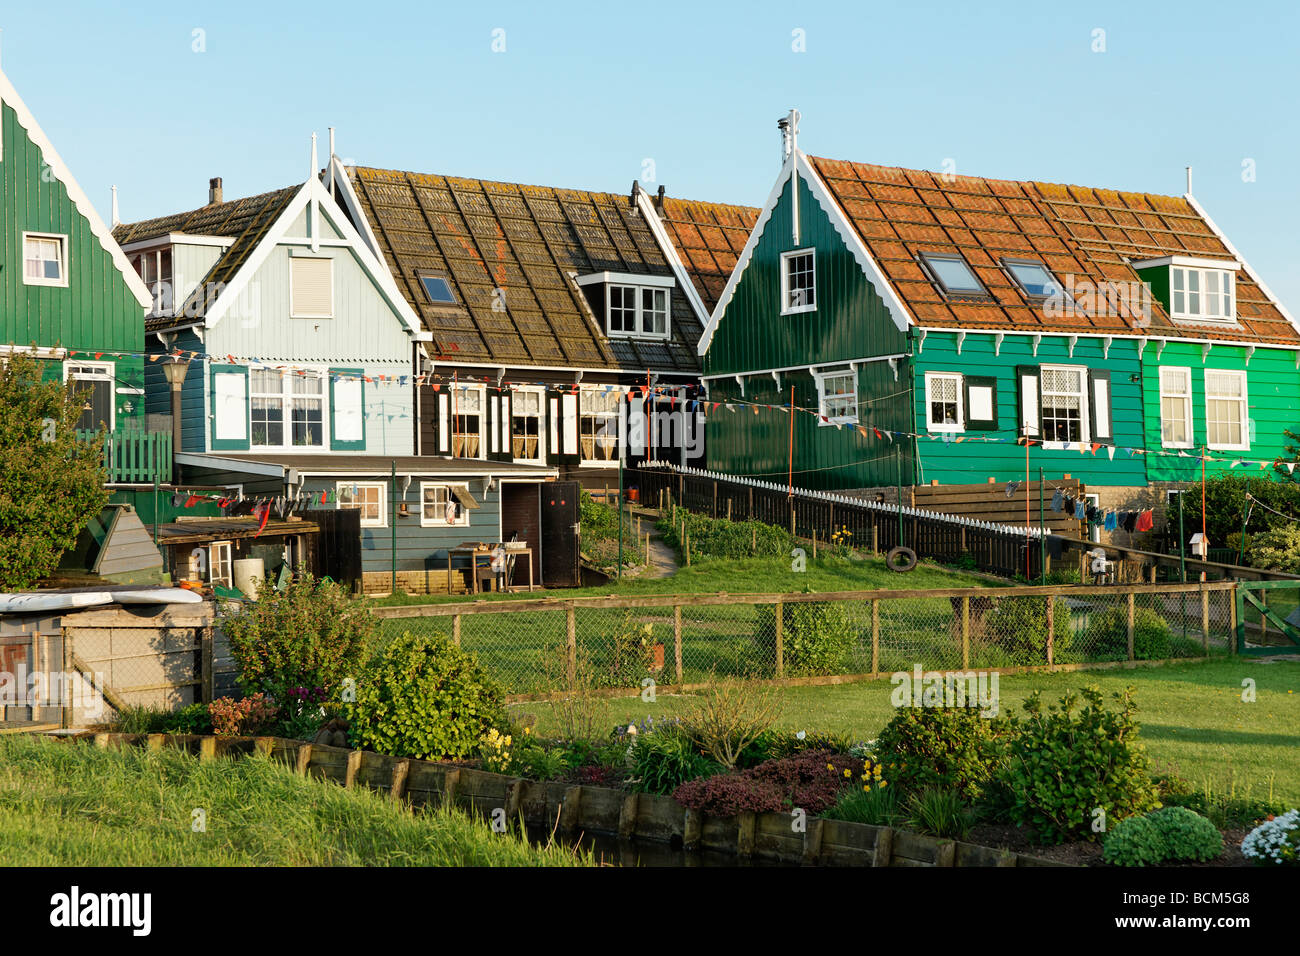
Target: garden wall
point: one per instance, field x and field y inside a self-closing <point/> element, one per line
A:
<point x="573" y="809"/>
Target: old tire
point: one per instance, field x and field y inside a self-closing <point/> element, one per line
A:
<point x="900" y="559"/>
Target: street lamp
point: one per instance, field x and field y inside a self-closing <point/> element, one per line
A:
<point x="175" y="369"/>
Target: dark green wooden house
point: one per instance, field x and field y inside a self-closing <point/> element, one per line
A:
<point x="69" y="296"/>
<point x="932" y="329"/>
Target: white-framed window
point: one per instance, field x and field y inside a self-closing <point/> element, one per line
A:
<point x="798" y="281"/>
<point x="45" y="259"/>
<point x="598" y="425"/>
<point x="95" y="382"/>
<point x="1203" y="295"/>
<point x="837" y="397"/>
<point x="944" y="410"/>
<point x="468" y="420"/>
<point x="637" y="310"/>
<point x="154" y="266"/>
<point x="311" y="287"/>
<point x="220" y="564"/>
<point x="1226" y="424"/>
<point x="368" y="497"/>
<point x="526" y="433"/>
<point x="440" y="507"/>
<point x="1175" y="407"/>
<point x="287" y="409"/>
<point x="1064" y="403"/>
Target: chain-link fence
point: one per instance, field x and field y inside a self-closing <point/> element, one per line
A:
<point x="537" y="647"/>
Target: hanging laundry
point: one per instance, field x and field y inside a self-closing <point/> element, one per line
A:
<point x="1128" y="520"/>
<point x="1112" y="521"/>
<point x="1069" y="504"/>
<point x="1092" y="514"/>
<point x="1057" y="498"/>
<point x="1145" y="521"/>
<point x="1080" y="509"/>
<point x="1011" y="487"/>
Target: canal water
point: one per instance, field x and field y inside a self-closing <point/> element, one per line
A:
<point x="611" y="851"/>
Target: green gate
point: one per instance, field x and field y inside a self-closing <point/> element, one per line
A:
<point x="1252" y="599"/>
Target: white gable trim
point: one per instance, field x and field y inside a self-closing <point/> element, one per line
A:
<point x="797" y="163"/>
<point x="1244" y="264"/>
<point x="647" y="207"/>
<point x="312" y="191"/>
<point x="84" y="206"/>
<point x="338" y="177"/>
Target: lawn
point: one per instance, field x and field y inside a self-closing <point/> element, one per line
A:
<point x="1193" y="718"/>
<point x="64" y="804"/>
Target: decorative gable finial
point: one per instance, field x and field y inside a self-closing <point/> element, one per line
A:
<point x="789" y="127"/>
<point x="116" y="221"/>
<point x="315" y="166"/>
<point x="1189" y="180"/>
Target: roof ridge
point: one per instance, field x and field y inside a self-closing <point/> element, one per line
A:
<point x="206" y="209"/>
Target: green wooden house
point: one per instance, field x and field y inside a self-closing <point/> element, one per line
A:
<point x="71" y="298"/>
<point x="952" y="330"/>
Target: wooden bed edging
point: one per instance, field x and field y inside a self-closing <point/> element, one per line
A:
<point x="571" y="809"/>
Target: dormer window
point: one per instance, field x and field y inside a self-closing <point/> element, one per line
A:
<point x="952" y="274"/>
<point x="634" y="306"/>
<point x="154" y="266"/>
<point x="1033" y="278"/>
<point x="1202" y="295"/>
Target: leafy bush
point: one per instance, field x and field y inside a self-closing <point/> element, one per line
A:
<point x="775" y="744"/>
<point x="145" y="719"/>
<point x="817" y="637"/>
<point x="812" y="781"/>
<point x="194" y="719"/>
<point x="951" y="748"/>
<point x="1277" y="548"/>
<point x="625" y="654"/>
<point x="598" y="524"/>
<point x="940" y="813"/>
<point x="311" y="635"/>
<point x="241" y="718"/>
<point x="1275" y="842"/>
<point x="664" y="761"/>
<point x="51" y="482"/>
<point x="424" y="697"/>
<point x="1064" y="765"/>
<point x="1168" y="835"/>
<point x="1153" y="640"/>
<point x="1019" y="627"/>
<point x="729" y="716"/>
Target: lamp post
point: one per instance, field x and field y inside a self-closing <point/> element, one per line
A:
<point x="175" y="369"/>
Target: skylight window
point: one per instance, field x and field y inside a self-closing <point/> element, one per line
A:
<point x="952" y="274"/>
<point x="438" y="290"/>
<point x="1033" y="278"/>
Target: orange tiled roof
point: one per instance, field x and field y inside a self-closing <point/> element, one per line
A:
<point x="1077" y="231"/>
<point x="709" y="238"/>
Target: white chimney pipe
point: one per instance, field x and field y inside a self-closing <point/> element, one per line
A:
<point x="1189" y="180"/>
<point x="116" y="221"/>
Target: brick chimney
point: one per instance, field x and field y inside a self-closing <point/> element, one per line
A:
<point x="214" y="191"/>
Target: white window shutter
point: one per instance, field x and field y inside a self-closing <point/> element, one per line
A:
<point x="231" y="422"/>
<point x="569" y="406"/>
<point x="444" y="422"/>
<point x="1029" y="420"/>
<point x="348" y="411"/>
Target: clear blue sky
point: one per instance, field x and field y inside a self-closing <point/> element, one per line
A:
<point x="584" y="93"/>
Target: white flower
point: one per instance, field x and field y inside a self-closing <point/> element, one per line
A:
<point x="631" y="729"/>
<point x="801" y="734"/>
<point x="1268" y="841"/>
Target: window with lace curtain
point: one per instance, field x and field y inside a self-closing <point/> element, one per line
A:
<point x="467" y="422"/>
<point x="598" y="425"/>
<point x="526" y="425"/>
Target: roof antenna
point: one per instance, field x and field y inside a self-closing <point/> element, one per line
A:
<point x="116" y="221"/>
<point x="1189" y="180"/>
<point x="789" y="127"/>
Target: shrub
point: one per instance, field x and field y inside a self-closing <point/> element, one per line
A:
<point x="721" y="538"/>
<point x="241" y="718"/>
<point x="580" y="713"/>
<point x="817" y="637"/>
<point x="940" y="813"/>
<point x="727" y="794"/>
<point x="775" y="744"/>
<point x="1168" y="835"/>
<point x="194" y="719"/>
<point x="424" y="697"/>
<point x="812" y="781"/>
<point x="1064" y="765"/>
<point x="1152" y="638"/>
<point x="1019" y="627"/>
<point x="1277" y="548"/>
<point x="598" y="524"/>
<point x="145" y="719"/>
<point x="951" y="748"/>
<point x="51" y="482"/>
<point x="625" y="654"/>
<point x="664" y="761"/>
<point x="729" y="716"/>
<point x="310" y="635"/>
<point x="1275" y="842"/>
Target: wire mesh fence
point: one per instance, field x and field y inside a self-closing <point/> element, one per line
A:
<point x="540" y="647"/>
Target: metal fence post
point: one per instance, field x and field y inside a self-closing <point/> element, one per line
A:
<point x="1237" y="637"/>
<point x="1205" y="620"/>
<point x="677" y="642"/>
<point x="1132" y="611"/>
<point x="571" y="647"/>
<point x="780" y="640"/>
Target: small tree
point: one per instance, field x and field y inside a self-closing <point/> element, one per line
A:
<point x="51" y="484"/>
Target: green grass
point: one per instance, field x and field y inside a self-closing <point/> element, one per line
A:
<point x="64" y="804"/>
<point x="1192" y="716"/>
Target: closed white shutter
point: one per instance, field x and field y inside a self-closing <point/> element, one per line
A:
<point x="311" y="282"/>
<point x="569" y="407"/>
<point x="348" y="411"/>
<point x="231" y="422"/>
<point x="1029" y="423"/>
<point x="1101" y="408"/>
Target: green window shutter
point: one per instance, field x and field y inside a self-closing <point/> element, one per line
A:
<point x="347" y="409"/>
<point x="228" y="415"/>
<point x="981" y="391"/>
